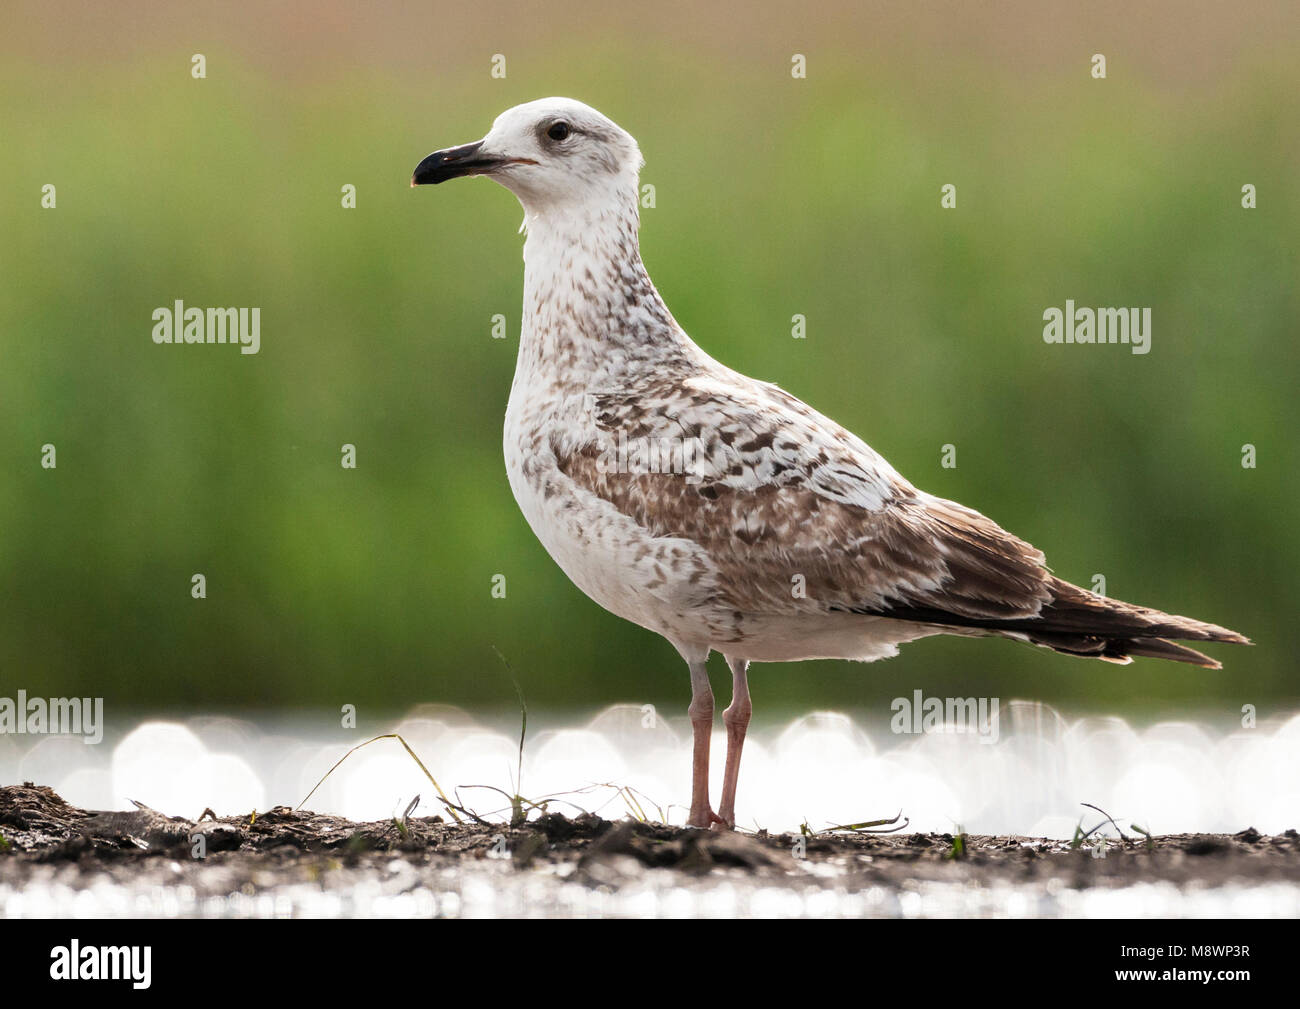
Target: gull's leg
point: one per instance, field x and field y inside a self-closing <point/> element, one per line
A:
<point x="701" y="712"/>
<point x="736" y="718"/>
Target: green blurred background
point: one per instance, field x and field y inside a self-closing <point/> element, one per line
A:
<point x="775" y="196"/>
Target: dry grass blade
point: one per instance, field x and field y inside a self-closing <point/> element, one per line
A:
<point x="451" y="808"/>
<point x="1122" y="835"/>
<point x="867" y="826"/>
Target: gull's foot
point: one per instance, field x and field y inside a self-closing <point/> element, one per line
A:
<point x="720" y="824"/>
<point x="705" y="820"/>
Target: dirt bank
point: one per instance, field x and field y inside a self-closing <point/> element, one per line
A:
<point x="47" y="844"/>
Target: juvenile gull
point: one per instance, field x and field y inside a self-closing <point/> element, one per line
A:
<point x="716" y="510"/>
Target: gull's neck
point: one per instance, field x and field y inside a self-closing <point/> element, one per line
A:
<point x="592" y="318"/>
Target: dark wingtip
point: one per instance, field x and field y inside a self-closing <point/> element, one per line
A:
<point x="1159" y="648"/>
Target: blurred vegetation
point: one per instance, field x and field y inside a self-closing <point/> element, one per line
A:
<point x="774" y="197"/>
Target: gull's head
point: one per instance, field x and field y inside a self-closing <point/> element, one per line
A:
<point x="551" y="153"/>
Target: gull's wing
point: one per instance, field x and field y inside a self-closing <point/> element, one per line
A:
<point x="797" y="515"/>
<point x="772" y="491"/>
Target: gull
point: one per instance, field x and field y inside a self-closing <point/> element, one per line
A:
<point x="717" y="510"/>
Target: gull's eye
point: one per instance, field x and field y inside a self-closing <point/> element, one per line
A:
<point x="558" y="131"/>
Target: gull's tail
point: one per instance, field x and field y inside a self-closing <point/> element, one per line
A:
<point x="1079" y="622"/>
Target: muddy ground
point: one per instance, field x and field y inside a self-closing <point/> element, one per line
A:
<point x="52" y="853"/>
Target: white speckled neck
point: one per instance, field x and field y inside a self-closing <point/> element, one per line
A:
<point x="591" y="313"/>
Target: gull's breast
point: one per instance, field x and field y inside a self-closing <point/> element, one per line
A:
<point x="666" y="584"/>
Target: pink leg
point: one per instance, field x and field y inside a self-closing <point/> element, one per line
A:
<point x="701" y="712"/>
<point x="736" y="718"/>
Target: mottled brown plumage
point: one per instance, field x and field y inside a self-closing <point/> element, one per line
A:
<point x="765" y="507"/>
